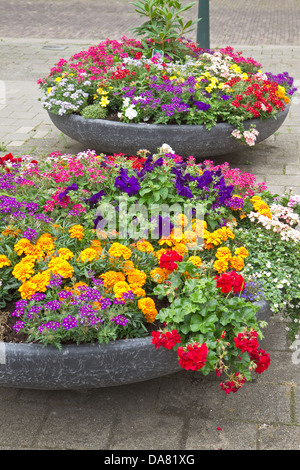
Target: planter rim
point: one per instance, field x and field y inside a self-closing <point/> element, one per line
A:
<point x="125" y="361"/>
<point x="113" y="136"/>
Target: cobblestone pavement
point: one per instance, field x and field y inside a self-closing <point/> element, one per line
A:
<point x="183" y="411"/>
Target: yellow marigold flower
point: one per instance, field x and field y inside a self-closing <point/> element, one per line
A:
<point x="223" y="253"/>
<point x="76" y="231"/>
<point x="24" y="269"/>
<point x="158" y="275"/>
<point x="138" y="291"/>
<point x="147" y="306"/>
<point x="137" y="277"/>
<point x="196" y="260"/>
<point x="4" y="261"/>
<point x="220" y="265"/>
<point x="145" y="246"/>
<point x="22" y="246"/>
<point x="61" y="266"/>
<point x="42" y="280"/>
<point x="65" y="253"/>
<point x="45" y="242"/>
<point x="127" y="266"/>
<point x="237" y="263"/>
<point x="120" y="288"/>
<point x="96" y="245"/>
<point x="180" y="248"/>
<point x="242" y="251"/>
<point x="165" y="241"/>
<point x="117" y="250"/>
<point x="112" y="277"/>
<point x="27" y="289"/>
<point x="89" y="254"/>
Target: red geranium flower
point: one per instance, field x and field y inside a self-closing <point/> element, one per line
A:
<point x="193" y="356"/>
<point x="167" y="260"/>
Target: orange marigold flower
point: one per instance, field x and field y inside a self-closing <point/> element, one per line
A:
<point x="158" y="275"/>
<point x="148" y="308"/>
<point x="89" y="254"/>
<point x="118" y="250"/>
<point x="137" y="277"/>
<point x="196" y="260"/>
<point x="145" y="246"/>
<point x="4" y="261"/>
<point x="223" y="253"/>
<point x="220" y="265"/>
<point x="242" y="251"/>
<point x="112" y="277"/>
<point x="237" y="263"/>
<point x="76" y="231"/>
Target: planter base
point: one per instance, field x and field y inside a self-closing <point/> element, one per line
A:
<point x="88" y="366"/>
<point x="114" y="137"/>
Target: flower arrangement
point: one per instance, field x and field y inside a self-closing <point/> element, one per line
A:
<point x="96" y="248"/>
<point x="133" y="82"/>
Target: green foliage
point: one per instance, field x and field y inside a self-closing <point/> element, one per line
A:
<point x="164" y="24"/>
<point x="94" y="111"/>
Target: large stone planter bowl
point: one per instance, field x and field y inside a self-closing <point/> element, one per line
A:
<point x="33" y="366"/>
<point x="115" y="137"/>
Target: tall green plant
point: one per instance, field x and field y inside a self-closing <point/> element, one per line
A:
<point x="164" y="24"/>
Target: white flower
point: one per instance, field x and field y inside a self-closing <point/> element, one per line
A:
<point x="130" y="112"/>
<point x="165" y="148"/>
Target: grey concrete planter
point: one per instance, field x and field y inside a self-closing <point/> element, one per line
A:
<point x="33" y="366"/>
<point x="115" y="137"/>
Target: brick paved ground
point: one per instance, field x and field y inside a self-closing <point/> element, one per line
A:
<point x="183" y="411"/>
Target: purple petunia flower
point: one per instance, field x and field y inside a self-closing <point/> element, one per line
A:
<point x="201" y="105"/>
<point x="127" y="184"/>
<point x="63" y="194"/>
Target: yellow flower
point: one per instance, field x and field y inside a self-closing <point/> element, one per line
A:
<point x="4" y="261"/>
<point x="22" y="246"/>
<point x="138" y="291"/>
<point x="196" y="260"/>
<point x="45" y="242"/>
<point x="104" y="101"/>
<point x="11" y="231"/>
<point x="237" y="263"/>
<point x="112" y="277"/>
<point x="117" y="250"/>
<point x="221" y="265"/>
<point x="89" y="254"/>
<point x="120" y="288"/>
<point x="96" y="245"/>
<point x="242" y="251"/>
<point x="24" y="269"/>
<point x="145" y="246"/>
<point x="61" y="266"/>
<point x="65" y="253"/>
<point x="136" y="277"/>
<point x="37" y="283"/>
<point x="181" y="220"/>
<point x="127" y="266"/>
<point x="158" y="275"/>
<point x="223" y="253"/>
<point x="76" y="231"/>
<point x="148" y="308"/>
<point x="58" y="79"/>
